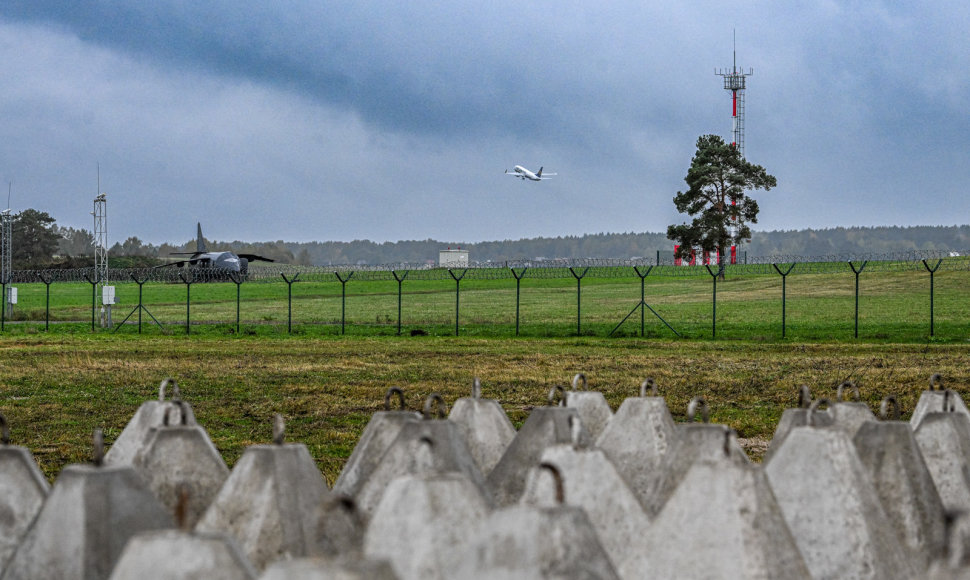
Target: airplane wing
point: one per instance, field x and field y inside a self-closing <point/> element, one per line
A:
<point x="177" y="264"/>
<point x="254" y="257"/>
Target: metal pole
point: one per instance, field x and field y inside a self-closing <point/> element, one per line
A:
<point x="343" y="298"/>
<point x="400" y="282"/>
<point x="932" y="271"/>
<point x="3" y="306"/>
<point x="457" y="293"/>
<point x="784" y="278"/>
<point x="188" y="300"/>
<point x="579" y="296"/>
<point x="518" y="283"/>
<point x="857" y="272"/>
<point x="140" y="284"/>
<point x="289" y="301"/>
<point x="714" y="303"/>
<point x="94" y="297"/>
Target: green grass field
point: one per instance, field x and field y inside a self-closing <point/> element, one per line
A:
<point x="56" y="385"/>
<point x="56" y="388"/>
<point x="894" y="306"/>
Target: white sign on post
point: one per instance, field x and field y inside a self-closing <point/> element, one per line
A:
<point x="12" y="295"/>
<point x="108" y="295"/>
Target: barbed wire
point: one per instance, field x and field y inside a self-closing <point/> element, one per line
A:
<point x="916" y="260"/>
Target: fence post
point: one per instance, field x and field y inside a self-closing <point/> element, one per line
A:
<point x="457" y="292"/>
<point x="47" y="279"/>
<point x="579" y="294"/>
<point x="94" y="296"/>
<point x="238" y="280"/>
<point x="932" y="271"/>
<point x="784" y="277"/>
<point x="343" y="298"/>
<point x="188" y="297"/>
<point x="857" y="272"/>
<point x="289" y="301"/>
<point x="518" y="280"/>
<point x="3" y="305"/>
<point x="714" y="303"/>
<point x="400" y="282"/>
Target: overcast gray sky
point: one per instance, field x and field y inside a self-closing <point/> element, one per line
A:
<point x="316" y="120"/>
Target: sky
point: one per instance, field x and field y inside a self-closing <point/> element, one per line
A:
<point x="313" y="120"/>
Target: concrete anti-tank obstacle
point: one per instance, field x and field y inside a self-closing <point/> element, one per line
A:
<point x="932" y="400"/>
<point x="591" y="406"/>
<point x="23" y="489"/>
<point x="340" y="528"/>
<point x="488" y="430"/>
<point x="181" y="453"/>
<point x="90" y="514"/>
<point x="181" y="554"/>
<point x="545" y="426"/>
<point x="891" y="456"/>
<point x="791" y="418"/>
<point x="422" y="518"/>
<point x="378" y="435"/>
<point x="944" y="440"/>
<point x="150" y="414"/>
<point x="637" y="438"/>
<point x="831" y="506"/>
<point x="591" y="482"/>
<point x="722" y="521"/>
<point x="410" y="455"/>
<point x="691" y="442"/>
<point x="526" y="542"/>
<point x="330" y="569"/>
<point x="263" y="504"/>
<point x="850" y="415"/>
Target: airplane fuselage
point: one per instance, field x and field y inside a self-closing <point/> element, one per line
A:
<point x="523" y="173"/>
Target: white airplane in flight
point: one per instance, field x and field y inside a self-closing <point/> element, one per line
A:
<point x="523" y="173"/>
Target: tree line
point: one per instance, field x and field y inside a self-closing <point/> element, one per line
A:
<point x="39" y="243"/>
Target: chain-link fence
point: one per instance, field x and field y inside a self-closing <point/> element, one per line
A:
<point x="902" y="296"/>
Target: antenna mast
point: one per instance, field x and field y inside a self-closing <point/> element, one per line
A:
<point x="6" y="241"/>
<point x="734" y="81"/>
<point x="100" y="214"/>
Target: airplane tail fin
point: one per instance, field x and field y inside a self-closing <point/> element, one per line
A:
<point x="200" y="241"/>
<point x="539" y="174"/>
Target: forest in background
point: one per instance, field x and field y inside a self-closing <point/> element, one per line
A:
<point x="822" y="242"/>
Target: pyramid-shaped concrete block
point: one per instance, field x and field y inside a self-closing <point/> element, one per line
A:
<point x="523" y="541"/>
<point x="936" y="400"/>
<point x="693" y="442"/>
<point x="723" y="522"/>
<point x="177" y="454"/>
<point x="89" y="516"/>
<point x="378" y="435"/>
<point x="591" y="482"/>
<point x="340" y="528"/>
<point x="149" y="415"/>
<point x="420" y="520"/>
<point x="23" y="489"/>
<point x="264" y="503"/>
<point x="545" y="426"/>
<point x="488" y="430"/>
<point x="944" y="442"/>
<point x="178" y="555"/>
<point x="592" y="407"/>
<point x="791" y="418"/>
<point x="832" y="508"/>
<point x="637" y="438"/>
<point x="849" y="415"/>
<point x="330" y="569"/>
<point x="889" y="452"/>
<point x="421" y="447"/>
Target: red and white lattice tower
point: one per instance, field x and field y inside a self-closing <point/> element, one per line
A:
<point x="734" y="81"/>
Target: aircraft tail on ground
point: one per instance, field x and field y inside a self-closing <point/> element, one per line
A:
<point x="200" y="241"/>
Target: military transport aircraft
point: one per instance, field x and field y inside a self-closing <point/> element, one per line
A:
<point x="202" y="258"/>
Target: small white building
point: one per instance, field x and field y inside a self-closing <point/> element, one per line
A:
<point x="453" y="258"/>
